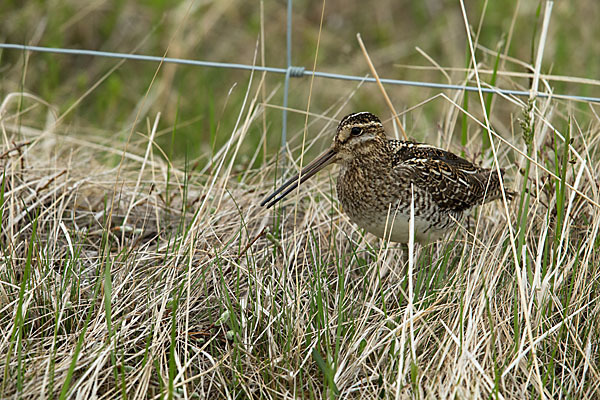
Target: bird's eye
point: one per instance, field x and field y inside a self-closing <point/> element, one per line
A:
<point x="356" y="131"/>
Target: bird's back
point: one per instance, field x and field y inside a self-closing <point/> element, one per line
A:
<point x="454" y="183"/>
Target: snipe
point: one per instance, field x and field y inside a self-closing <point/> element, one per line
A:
<point x="374" y="184"/>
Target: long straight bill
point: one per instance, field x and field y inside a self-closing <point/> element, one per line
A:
<point x="315" y="166"/>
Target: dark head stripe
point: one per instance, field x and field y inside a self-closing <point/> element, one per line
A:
<point x="360" y="118"/>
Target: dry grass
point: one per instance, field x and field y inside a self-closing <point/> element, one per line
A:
<point x="143" y="279"/>
<point x="125" y="275"/>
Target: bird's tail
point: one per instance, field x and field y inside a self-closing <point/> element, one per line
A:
<point x="494" y="189"/>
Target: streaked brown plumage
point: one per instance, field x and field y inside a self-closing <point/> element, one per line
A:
<point x="374" y="184"/>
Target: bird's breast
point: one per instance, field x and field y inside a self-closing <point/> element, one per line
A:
<point x="366" y="189"/>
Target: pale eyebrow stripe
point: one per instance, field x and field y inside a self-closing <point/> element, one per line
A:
<point x="365" y="125"/>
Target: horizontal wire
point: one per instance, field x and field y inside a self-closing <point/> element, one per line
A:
<point x="319" y="74"/>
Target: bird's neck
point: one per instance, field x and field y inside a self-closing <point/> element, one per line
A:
<point x="372" y="156"/>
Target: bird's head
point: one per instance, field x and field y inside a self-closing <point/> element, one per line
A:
<point x="355" y="137"/>
<point x="355" y="134"/>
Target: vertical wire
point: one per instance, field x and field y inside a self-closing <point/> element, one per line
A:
<point x="287" y="74"/>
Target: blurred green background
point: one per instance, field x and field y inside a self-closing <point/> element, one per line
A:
<point x="203" y="104"/>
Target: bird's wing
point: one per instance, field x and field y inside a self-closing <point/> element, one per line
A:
<point x="453" y="182"/>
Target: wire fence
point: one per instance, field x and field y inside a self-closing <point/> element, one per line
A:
<point x="292" y="71"/>
<point x="295" y="71"/>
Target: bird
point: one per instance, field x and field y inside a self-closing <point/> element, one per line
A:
<point x="380" y="177"/>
